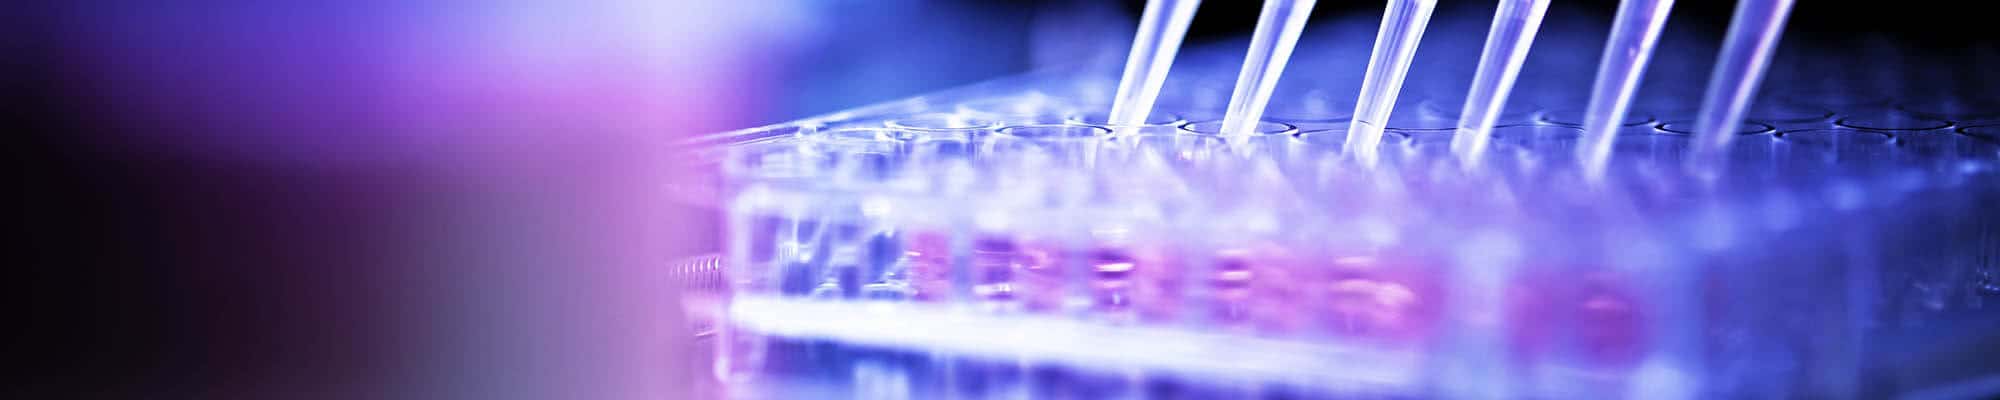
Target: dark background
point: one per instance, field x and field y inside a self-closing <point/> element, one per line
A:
<point x="242" y="245"/>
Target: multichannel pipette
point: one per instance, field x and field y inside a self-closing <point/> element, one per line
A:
<point x="1278" y="29"/>
<point x="1746" y="51"/>
<point x="996" y="242"/>
<point x="1507" y="42"/>
<point x="1161" y="29"/>
<point x="1403" y="24"/>
<point x="1634" y="32"/>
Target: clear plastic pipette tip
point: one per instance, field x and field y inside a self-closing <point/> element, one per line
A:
<point x="1753" y="36"/>
<point x="1507" y="43"/>
<point x="1278" y="29"/>
<point x="1161" y="28"/>
<point x="1403" y="24"/>
<point x="1634" y="33"/>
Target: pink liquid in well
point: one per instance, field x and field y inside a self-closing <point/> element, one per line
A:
<point x="1039" y="277"/>
<point x="1277" y="289"/>
<point x="928" y="254"/>
<point x="1596" y="315"/>
<point x="993" y="265"/>
<point x="1113" y="280"/>
<point x="1229" y="289"/>
<point x="1137" y="282"/>
<point x="1023" y="272"/>
<point x="1381" y="298"/>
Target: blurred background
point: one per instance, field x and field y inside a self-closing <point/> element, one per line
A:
<point x="460" y="199"/>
